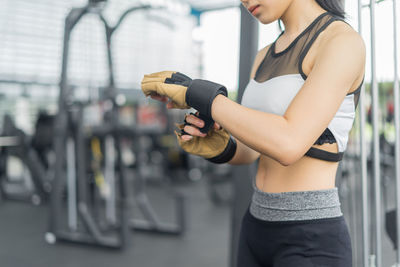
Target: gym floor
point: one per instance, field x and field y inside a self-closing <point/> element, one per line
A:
<point x="205" y="243"/>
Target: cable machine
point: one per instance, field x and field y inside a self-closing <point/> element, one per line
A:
<point x="95" y="211"/>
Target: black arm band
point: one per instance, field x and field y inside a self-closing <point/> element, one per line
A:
<point x="228" y="153"/>
<point x="201" y="93"/>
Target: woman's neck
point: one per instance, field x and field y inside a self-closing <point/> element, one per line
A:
<point x="299" y="15"/>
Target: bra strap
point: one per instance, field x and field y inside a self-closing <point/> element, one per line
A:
<point x="324" y="155"/>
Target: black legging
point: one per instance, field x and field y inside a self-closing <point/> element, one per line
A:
<point x="320" y="242"/>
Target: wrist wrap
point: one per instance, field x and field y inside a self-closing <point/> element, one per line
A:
<point x="201" y="93"/>
<point x="227" y="154"/>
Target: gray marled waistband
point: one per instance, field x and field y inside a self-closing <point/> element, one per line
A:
<point x="299" y="205"/>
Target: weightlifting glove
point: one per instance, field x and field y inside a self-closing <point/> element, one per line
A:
<point x="217" y="147"/>
<point x="183" y="91"/>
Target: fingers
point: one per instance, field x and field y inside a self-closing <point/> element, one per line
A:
<point x="217" y="126"/>
<point x="149" y="79"/>
<point x="193" y="131"/>
<point x="186" y="137"/>
<point x="153" y="88"/>
<point x="172" y="104"/>
<point x="159" y="97"/>
<point x="182" y="138"/>
<point x="199" y="122"/>
<point x="173" y="91"/>
<point x="164" y="99"/>
<point x="194" y="120"/>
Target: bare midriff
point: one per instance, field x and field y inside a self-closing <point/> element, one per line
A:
<point x="304" y="175"/>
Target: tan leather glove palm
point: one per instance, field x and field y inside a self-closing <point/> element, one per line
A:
<point x="209" y="146"/>
<point x="162" y="83"/>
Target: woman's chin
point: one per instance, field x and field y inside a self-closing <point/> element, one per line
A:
<point x="265" y="21"/>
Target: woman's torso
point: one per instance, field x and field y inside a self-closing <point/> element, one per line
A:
<point x="307" y="173"/>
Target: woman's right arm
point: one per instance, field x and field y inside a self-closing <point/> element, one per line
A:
<point x="245" y="154"/>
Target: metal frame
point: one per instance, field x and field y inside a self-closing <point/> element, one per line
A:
<point x="243" y="174"/>
<point x="363" y="155"/>
<point x="64" y="121"/>
<point x="376" y="154"/>
<point x="376" y="259"/>
<point x="112" y="132"/>
<point x="14" y="142"/>
<point x="151" y="221"/>
<point x="397" y="128"/>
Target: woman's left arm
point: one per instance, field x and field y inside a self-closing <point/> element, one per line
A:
<point x="340" y="61"/>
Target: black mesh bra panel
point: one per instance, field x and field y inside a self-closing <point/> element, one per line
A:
<point x="278" y="63"/>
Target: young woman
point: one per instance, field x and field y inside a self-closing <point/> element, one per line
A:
<point x="295" y="116"/>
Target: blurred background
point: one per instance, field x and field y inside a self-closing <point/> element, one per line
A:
<point x="90" y="170"/>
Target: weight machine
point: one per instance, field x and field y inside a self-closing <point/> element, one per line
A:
<point x="16" y="145"/>
<point x="96" y="204"/>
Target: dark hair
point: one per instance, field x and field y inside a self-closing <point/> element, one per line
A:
<point x="336" y="7"/>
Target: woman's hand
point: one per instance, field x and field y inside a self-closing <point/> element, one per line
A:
<point x="183" y="92"/>
<point x="216" y="146"/>
<point x="163" y="99"/>
<point x="193" y="129"/>
<point x="171" y="84"/>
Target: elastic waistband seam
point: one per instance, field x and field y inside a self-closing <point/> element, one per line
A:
<point x="284" y="209"/>
<point x="307" y="220"/>
<point x="318" y="192"/>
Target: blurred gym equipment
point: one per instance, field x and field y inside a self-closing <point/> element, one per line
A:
<point x="96" y="211"/>
<point x="35" y="175"/>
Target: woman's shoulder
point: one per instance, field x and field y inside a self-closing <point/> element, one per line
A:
<point x="341" y="31"/>
<point x="341" y="38"/>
